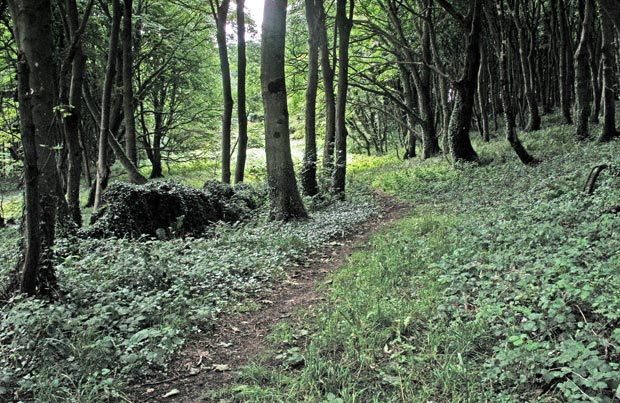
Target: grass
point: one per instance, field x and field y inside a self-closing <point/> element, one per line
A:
<point x="127" y="306"/>
<point x="501" y="286"/>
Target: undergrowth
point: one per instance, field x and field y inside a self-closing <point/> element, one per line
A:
<point x="502" y="286"/>
<point x="126" y="306"/>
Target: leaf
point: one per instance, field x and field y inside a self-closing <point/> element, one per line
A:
<point x="173" y="392"/>
<point x="221" y="367"/>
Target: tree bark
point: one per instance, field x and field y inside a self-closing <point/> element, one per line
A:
<point x="328" y="84"/>
<point x="344" y="24"/>
<point x="32" y="22"/>
<point x="533" y="122"/>
<point x="482" y="95"/>
<point x="242" y="117"/>
<point x="493" y="12"/>
<point x="430" y="142"/>
<point x="309" y="183"/>
<point x="128" y="94"/>
<point x="582" y="75"/>
<point x="286" y="202"/>
<point x="73" y="113"/>
<point x="566" y="62"/>
<point x="608" y="131"/>
<point x="106" y="104"/>
<point x="465" y="91"/>
<point x="220" y="14"/>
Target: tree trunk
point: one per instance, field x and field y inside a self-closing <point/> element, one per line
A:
<point x="344" y="25"/>
<point x="220" y="14"/>
<point x="71" y="120"/>
<point x="106" y="103"/>
<point x="242" y="117"/>
<point x="525" y="59"/>
<point x="566" y="63"/>
<point x="328" y="84"/>
<point x="465" y="92"/>
<point x="405" y="78"/>
<point x="286" y="203"/>
<point x="308" y="170"/>
<point x="482" y="95"/>
<point x="509" y="115"/>
<point x="582" y="75"/>
<point x="608" y="131"/>
<point x="128" y="96"/>
<point x="32" y="22"/>
<point x="430" y="142"/>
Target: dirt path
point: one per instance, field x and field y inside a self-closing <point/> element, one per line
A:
<point x="212" y="361"/>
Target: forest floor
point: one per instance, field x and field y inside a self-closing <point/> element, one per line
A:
<point x="213" y="360"/>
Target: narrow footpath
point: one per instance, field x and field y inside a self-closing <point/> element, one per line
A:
<point x="213" y="360"/>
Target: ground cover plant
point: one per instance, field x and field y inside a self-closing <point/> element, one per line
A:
<point x="500" y="287"/>
<point x="126" y="306"/>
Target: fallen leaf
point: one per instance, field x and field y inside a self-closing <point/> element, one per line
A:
<point x="194" y="371"/>
<point x="221" y="367"/>
<point x="173" y="392"/>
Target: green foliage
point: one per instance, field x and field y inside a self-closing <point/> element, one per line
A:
<point x="126" y="306"/>
<point x="501" y="286"/>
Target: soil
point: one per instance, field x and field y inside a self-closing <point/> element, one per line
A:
<point x="212" y="361"/>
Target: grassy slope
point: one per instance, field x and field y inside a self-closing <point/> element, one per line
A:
<point x="502" y="286"/>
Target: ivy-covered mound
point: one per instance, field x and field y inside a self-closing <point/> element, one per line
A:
<point x="167" y="208"/>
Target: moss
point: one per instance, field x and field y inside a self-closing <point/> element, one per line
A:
<point x="135" y="210"/>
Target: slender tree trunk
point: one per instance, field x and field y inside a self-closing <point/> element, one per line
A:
<point x="71" y="120"/>
<point x="286" y="202"/>
<point x="526" y="61"/>
<point x="608" y="130"/>
<point x="482" y="95"/>
<point x="582" y="75"/>
<point x="32" y="22"/>
<point x="344" y="24"/>
<point x="430" y="142"/>
<point x="309" y="183"/>
<point x="328" y="84"/>
<point x="242" y="117"/>
<point x="128" y="96"/>
<point x="220" y="14"/>
<point x="106" y="104"/>
<point x="405" y="78"/>
<point x="566" y="63"/>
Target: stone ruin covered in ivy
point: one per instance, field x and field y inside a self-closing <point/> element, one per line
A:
<point x="165" y="209"/>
